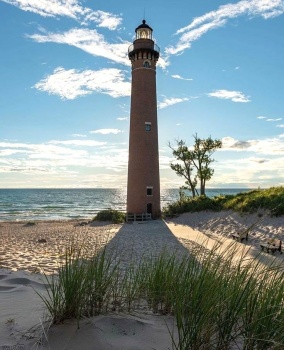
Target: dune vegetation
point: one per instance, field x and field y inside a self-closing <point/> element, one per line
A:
<point x="216" y="302"/>
<point x="271" y="199"/>
<point x="111" y="215"/>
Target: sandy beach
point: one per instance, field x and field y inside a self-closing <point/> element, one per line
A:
<point x="27" y="250"/>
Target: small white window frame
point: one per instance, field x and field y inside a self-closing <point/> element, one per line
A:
<point x="148" y="126"/>
<point x="149" y="188"/>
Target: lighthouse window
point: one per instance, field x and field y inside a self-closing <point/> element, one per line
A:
<point x="146" y="64"/>
<point x="149" y="191"/>
<point x="147" y="126"/>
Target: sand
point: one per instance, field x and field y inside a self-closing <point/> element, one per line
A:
<point x="26" y="251"/>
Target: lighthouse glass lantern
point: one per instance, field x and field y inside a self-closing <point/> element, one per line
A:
<point x="144" y="31"/>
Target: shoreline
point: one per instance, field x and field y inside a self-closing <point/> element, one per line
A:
<point x="32" y="246"/>
<point x="81" y="204"/>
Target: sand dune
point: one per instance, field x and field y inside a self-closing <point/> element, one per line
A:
<point x="28" y="250"/>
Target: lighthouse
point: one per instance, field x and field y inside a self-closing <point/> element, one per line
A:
<point x="143" y="185"/>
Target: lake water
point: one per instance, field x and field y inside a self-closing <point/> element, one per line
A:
<point x="62" y="204"/>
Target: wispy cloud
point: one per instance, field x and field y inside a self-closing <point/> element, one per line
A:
<point x="88" y="143"/>
<point x="88" y="40"/>
<point x="280" y="126"/>
<point x="70" y="84"/>
<point x="176" y="76"/>
<point x="47" y="150"/>
<point x="78" y="135"/>
<point x="171" y="101"/>
<point x="122" y="118"/>
<point x="219" y="18"/>
<point x="103" y="19"/>
<point x="259" y="160"/>
<point x="68" y="8"/>
<point x="235" y="96"/>
<point x="269" y="119"/>
<point x="106" y="131"/>
<point x="273" y="119"/>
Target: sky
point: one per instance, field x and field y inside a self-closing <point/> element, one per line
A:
<point x="65" y="89"/>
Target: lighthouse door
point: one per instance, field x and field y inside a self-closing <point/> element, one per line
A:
<point x="149" y="208"/>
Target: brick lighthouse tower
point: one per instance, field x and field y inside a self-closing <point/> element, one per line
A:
<point x="143" y="186"/>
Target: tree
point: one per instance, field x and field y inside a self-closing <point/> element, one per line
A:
<point x="194" y="164"/>
<point x="184" y="167"/>
<point x="202" y="158"/>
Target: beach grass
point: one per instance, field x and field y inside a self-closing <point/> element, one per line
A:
<point x="83" y="285"/>
<point x="271" y="199"/>
<point x="217" y="302"/>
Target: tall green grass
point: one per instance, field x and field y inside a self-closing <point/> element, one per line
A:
<point x="83" y="285"/>
<point x="226" y="305"/>
<point x="218" y="302"/>
<point x="271" y="200"/>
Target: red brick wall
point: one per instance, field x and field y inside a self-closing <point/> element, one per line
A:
<point x="143" y="165"/>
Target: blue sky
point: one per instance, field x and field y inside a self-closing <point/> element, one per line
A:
<point x="66" y="78"/>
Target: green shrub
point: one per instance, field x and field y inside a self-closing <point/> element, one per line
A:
<point x="271" y="199"/>
<point x="189" y="204"/>
<point x="110" y="215"/>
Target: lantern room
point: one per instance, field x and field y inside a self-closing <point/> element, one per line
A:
<point x="144" y="31"/>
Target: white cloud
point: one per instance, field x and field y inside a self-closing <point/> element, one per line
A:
<point x="46" y="150"/>
<point x="106" y="131"/>
<point x="8" y="152"/>
<point x="176" y="76"/>
<point x="103" y="19"/>
<point x="88" y="143"/>
<point x="235" y="96"/>
<point x="89" y="41"/>
<point x="171" y="101"/>
<point x="270" y="119"/>
<point x="280" y="126"/>
<point x="163" y="62"/>
<point x="249" y="172"/>
<point x="219" y="18"/>
<point x="68" y="8"/>
<point x="269" y="146"/>
<point x="59" y="156"/>
<point x="122" y="118"/>
<point x="70" y="84"/>
<point x="78" y="135"/>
